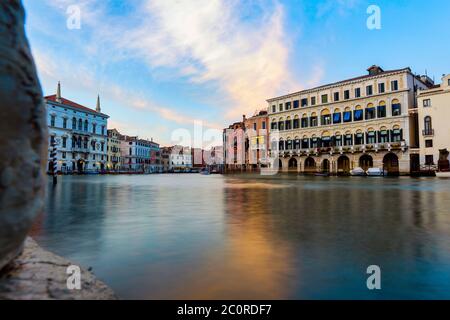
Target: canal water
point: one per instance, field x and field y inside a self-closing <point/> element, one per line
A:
<point x="191" y="236"/>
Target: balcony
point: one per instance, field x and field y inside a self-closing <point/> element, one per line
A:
<point x="428" y="132"/>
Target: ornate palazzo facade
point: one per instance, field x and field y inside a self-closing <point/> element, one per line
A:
<point x="361" y="122"/>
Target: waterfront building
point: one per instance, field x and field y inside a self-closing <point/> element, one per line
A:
<point x="434" y="130"/>
<point x="234" y="148"/>
<point x="180" y="159"/>
<point x="140" y="155"/>
<point x="198" y="158"/>
<point x="165" y="159"/>
<point x="256" y="140"/>
<point x="360" y="122"/>
<point x="114" y="159"/>
<point x="79" y="132"/>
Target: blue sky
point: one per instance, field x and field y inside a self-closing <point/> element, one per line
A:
<point x="160" y="65"/>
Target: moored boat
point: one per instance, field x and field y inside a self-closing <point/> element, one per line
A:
<point x="376" y="172"/>
<point x="358" y="172"/>
<point x="443" y="174"/>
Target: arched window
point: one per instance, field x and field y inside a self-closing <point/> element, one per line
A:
<point x="296" y="122"/>
<point x="383" y="135"/>
<point x="281" y="145"/>
<point x="359" y="137"/>
<point x="428" y="127"/>
<point x="314" y="142"/>
<point x="304" y="120"/>
<point x="305" y="142"/>
<point x="288" y="124"/>
<point x="370" y="111"/>
<point x="397" y="134"/>
<point x="74" y="123"/>
<point x="281" y="124"/>
<point x="396" y="108"/>
<point x="85" y="125"/>
<point x="80" y="124"/>
<point x="274" y="124"/>
<point x="348" y="139"/>
<point x="288" y="144"/>
<point x="326" y="139"/>
<point x="325" y="117"/>
<point x="296" y="143"/>
<point x="347" y="115"/>
<point x="358" y="115"/>
<point x="371" y="137"/>
<point x="338" y="139"/>
<point x="381" y="110"/>
<point x="337" y="116"/>
<point x="313" y="120"/>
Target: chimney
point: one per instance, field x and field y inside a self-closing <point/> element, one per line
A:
<point x="98" y="109"/>
<point x="374" y="70"/>
<point x="58" y="93"/>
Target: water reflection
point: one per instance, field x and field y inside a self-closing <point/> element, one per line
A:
<point x="254" y="237"/>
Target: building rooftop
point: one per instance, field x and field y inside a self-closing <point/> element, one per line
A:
<point x="374" y="71"/>
<point x="72" y="104"/>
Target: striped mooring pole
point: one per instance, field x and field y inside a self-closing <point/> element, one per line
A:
<point x="54" y="163"/>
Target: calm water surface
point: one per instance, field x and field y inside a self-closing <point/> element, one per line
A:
<point x="249" y="237"/>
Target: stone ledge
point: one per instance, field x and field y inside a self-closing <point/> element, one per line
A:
<point x="40" y="275"/>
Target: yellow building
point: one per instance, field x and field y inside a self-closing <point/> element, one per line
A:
<point x="434" y="128"/>
<point x="114" y="157"/>
<point x="360" y="122"/>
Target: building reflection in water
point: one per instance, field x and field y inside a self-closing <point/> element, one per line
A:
<point x="254" y="237"/>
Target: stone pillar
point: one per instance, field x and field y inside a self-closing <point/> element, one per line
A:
<point x="23" y="133"/>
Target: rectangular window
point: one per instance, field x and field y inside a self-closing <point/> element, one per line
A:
<point x="65" y="123"/>
<point x="371" y="138"/>
<point x="370" y="113"/>
<point x="428" y="143"/>
<point x="358" y="115"/>
<point x="313" y="101"/>
<point x="280" y="107"/>
<point x="326" y="119"/>
<point x="52" y="121"/>
<point x="274" y="108"/>
<point x="429" y="160"/>
<point x="305" y="102"/>
<point x="369" y="90"/>
<point x="296" y="104"/>
<point x="254" y="126"/>
<point x="381" y="111"/>
<point x="64" y="142"/>
<point x="336" y="96"/>
<point x="264" y="125"/>
<point x="381" y="88"/>
<point x="427" y="103"/>
<point x="358" y="93"/>
<point x="347" y="94"/>
<point x="337" y="117"/>
<point x="324" y="98"/>
<point x="394" y="85"/>
<point x="288" y="105"/>
<point x="304" y="122"/>
<point x="313" y="121"/>
<point x="347" y="116"/>
<point x="64" y="155"/>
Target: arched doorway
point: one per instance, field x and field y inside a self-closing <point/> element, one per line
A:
<point x="325" y="166"/>
<point x="80" y="166"/>
<point x="343" y="165"/>
<point x="391" y="165"/>
<point x="366" y="162"/>
<point x="310" y="165"/>
<point x="292" y="164"/>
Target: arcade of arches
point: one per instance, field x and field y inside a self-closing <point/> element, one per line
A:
<point x="394" y="163"/>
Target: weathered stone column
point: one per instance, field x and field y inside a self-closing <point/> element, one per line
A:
<point x="23" y="133"/>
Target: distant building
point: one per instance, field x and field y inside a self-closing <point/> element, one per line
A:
<point x="234" y="147"/>
<point x="257" y="141"/>
<point x="197" y="156"/>
<point x="114" y="159"/>
<point x="434" y="129"/>
<point x="80" y="134"/>
<point x="180" y="158"/>
<point x="165" y="159"/>
<point x="140" y="155"/>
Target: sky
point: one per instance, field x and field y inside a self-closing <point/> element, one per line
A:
<point x="165" y="67"/>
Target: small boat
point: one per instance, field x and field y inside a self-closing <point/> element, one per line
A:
<point x="323" y="174"/>
<point x="358" y="172"/>
<point x="376" y="172"/>
<point x="443" y="174"/>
